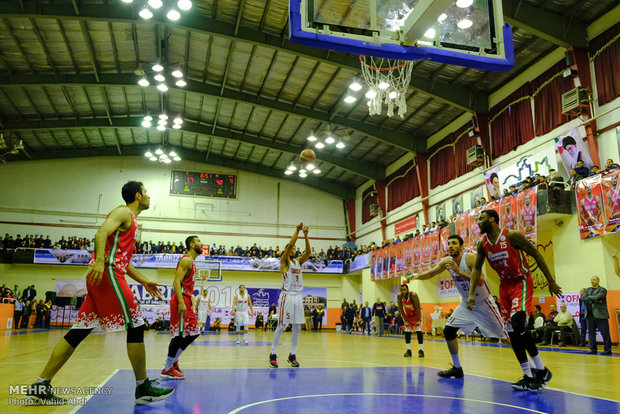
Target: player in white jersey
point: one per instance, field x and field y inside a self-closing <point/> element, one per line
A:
<point x="241" y="304"/>
<point x="290" y="305"/>
<point x="485" y="316"/>
<point x="203" y="309"/>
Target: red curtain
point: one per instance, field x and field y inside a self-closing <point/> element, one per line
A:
<point x="367" y="200"/>
<point x="402" y="189"/>
<point x="607" y="65"/>
<point x="442" y="165"/>
<point x="548" y="102"/>
<point x="515" y="125"/>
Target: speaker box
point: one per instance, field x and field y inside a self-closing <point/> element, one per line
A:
<point x="50" y="295"/>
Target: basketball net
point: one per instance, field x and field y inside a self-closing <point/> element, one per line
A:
<point x="388" y="80"/>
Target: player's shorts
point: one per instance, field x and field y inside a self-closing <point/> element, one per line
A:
<point x="202" y="315"/>
<point x="412" y="320"/>
<point x="110" y="305"/>
<point x="189" y="325"/>
<point x="242" y="318"/>
<point x="485" y="316"/>
<point x="291" y="309"/>
<point x="514" y="297"/>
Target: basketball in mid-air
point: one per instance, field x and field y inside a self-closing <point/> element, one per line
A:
<point x="307" y="156"/>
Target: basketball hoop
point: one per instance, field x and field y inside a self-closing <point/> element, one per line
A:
<point x="388" y="80"/>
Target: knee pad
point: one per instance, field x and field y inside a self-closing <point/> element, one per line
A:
<point x="449" y="332"/>
<point x="519" y="322"/>
<point x="75" y="336"/>
<point x="135" y="335"/>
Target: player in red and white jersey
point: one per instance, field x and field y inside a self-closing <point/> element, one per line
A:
<point x="590" y="210"/>
<point x="510" y="218"/>
<point x="241" y="310"/>
<point x="110" y="303"/>
<point x="485" y="316"/>
<point x="613" y="197"/>
<point x="184" y="326"/>
<point x="411" y="311"/>
<point x="290" y="304"/>
<point x="527" y="217"/>
<point x="505" y="251"/>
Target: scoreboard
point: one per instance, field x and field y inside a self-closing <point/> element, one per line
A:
<point x="203" y="184"/>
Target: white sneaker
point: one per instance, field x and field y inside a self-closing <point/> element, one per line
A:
<point x="245" y="341"/>
<point x="237" y="342"/>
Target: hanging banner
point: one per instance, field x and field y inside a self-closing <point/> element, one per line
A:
<point x="405" y="225"/>
<point x="426" y="251"/>
<point x="417" y="254"/>
<point x="474" y="230"/>
<point x="374" y="259"/>
<point x="392" y="255"/>
<point x="444" y="233"/>
<point x="611" y="197"/>
<point x="400" y="259"/>
<point x="457" y="204"/>
<point x="462" y="229"/>
<point x="360" y="262"/>
<point x="508" y="212"/>
<point x="440" y="211"/>
<point x="475" y="195"/>
<point x="386" y="264"/>
<point x="589" y="207"/>
<point x="408" y="252"/>
<point x="527" y="166"/>
<point x="571" y="148"/>
<point x="435" y="247"/>
<point x="491" y="180"/>
<point x="527" y="205"/>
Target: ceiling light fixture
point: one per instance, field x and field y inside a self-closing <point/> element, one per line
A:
<point x="371" y="94"/>
<point x="162" y="87"/>
<point x="350" y="99"/>
<point x="319" y="145"/>
<point x="145" y="13"/>
<point x="464" y="24"/>
<point x="158" y="151"/>
<point x="156" y="4"/>
<point x="383" y="85"/>
<point x="176" y="126"/>
<point x="442" y="17"/>
<point x="288" y="172"/>
<point x="146" y="124"/>
<point x="177" y="73"/>
<point x="180" y="83"/>
<point x="291" y="167"/>
<point x="144" y="82"/>
<point x="312" y="138"/>
<point x="355" y="86"/>
<point x="159" y="77"/>
<point x="157" y="67"/>
<point x="148" y="154"/>
<point x="184" y="5"/>
<point x="330" y="140"/>
<point x="173" y="15"/>
<point x="340" y="145"/>
<point x="463" y="4"/>
<point x="316" y="171"/>
<point x="161" y="128"/>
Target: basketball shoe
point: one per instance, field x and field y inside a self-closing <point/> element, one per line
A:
<point x="41" y="393"/>
<point x="172" y="373"/>
<point x="292" y="359"/>
<point x="273" y="360"/>
<point x="408" y="354"/>
<point x="147" y="392"/>
<point x="453" y="372"/>
<point x="176" y="366"/>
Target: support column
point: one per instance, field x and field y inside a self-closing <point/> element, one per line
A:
<point x="380" y="187"/>
<point x="421" y="169"/>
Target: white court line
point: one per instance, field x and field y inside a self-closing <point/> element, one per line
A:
<point x="237" y="410"/>
<point x="75" y="410"/>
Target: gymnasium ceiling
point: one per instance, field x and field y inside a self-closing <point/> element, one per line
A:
<point x="68" y="86"/>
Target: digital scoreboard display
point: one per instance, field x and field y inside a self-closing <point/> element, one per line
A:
<point x="203" y="184"/>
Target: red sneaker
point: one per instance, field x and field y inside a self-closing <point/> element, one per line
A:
<point x="172" y="374"/>
<point x="176" y="366"/>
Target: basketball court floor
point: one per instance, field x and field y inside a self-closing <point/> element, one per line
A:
<point x="339" y="373"/>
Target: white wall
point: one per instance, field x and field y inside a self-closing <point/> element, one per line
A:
<point x="72" y="197"/>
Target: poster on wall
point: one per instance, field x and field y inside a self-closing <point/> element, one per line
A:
<point x="386" y="264"/>
<point x="400" y="259"/>
<point x="611" y="197"/>
<point x="392" y="251"/>
<point x="491" y="180"/>
<point x="440" y="211"/>
<point x="435" y="247"/>
<point x="426" y="251"/>
<point x="528" y="165"/>
<point x="475" y="195"/>
<point x="373" y="264"/>
<point x="508" y="212"/>
<point x="417" y="254"/>
<point x="572" y="148"/>
<point x="462" y="229"/>
<point x="457" y="204"/>
<point x="527" y="205"/>
<point x="589" y="207"/>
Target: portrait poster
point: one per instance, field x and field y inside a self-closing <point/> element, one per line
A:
<point x="426" y="251"/>
<point x="444" y="233"/>
<point x="373" y="264"/>
<point x="379" y="265"/>
<point x="457" y="204"/>
<point x="440" y="211"/>
<point x="491" y="181"/>
<point x="527" y="207"/>
<point x="589" y="207"/>
<point x="508" y="213"/>
<point x="393" y="260"/>
<point x="572" y="148"/>
<point x="434" y="243"/>
<point x="417" y="253"/>
<point x="475" y="195"/>
<point x="611" y="199"/>
<point x="474" y="230"/>
<point x="386" y="263"/>
<point x="408" y="253"/>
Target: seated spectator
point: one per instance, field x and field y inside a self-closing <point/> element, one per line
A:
<point x="581" y="169"/>
<point x="483" y="201"/>
<point x="550" y="326"/>
<point x="565" y="322"/>
<point x="260" y="322"/>
<point x="231" y="326"/>
<point x="506" y="193"/>
<point x="513" y="190"/>
<point x="611" y="165"/>
<point x="554" y="179"/>
<point x="573" y="178"/>
<point x="217" y="325"/>
<point x="595" y="170"/>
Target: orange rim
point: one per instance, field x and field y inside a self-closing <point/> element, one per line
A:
<point x="363" y="61"/>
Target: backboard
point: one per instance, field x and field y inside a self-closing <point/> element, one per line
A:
<point x="467" y="33"/>
<point x="208" y="270"/>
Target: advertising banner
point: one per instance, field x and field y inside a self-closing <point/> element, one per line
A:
<point x="611" y="197"/>
<point x="508" y="212"/>
<point x="589" y="207"/>
<point x="527" y="166"/>
<point x="405" y="225"/>
<point x="474" y="230"/>
<point x="417" y="254"/>
<point x="400" y="259"/>
<point x="462" y="229"/>
<point x="444" y="233"/>
<point x="374" y="259"/>
<point x="220" y="295"/>
<point x="527" y="204"/>
<point x="360" y="262"/>
<point x="169" y="261"/>
<point x="426" y="251"/>
<point x="446" y="288"/>
<point x="408" y="252"/>
<point x="434" y="244"/>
